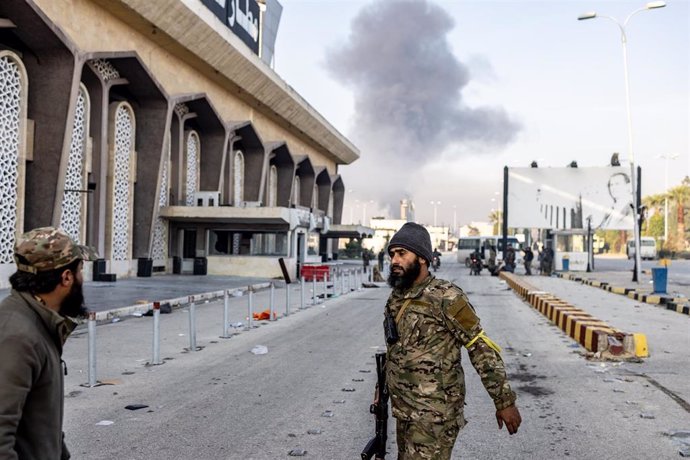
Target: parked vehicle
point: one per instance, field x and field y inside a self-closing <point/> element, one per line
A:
<point x="466" y="246"/>
<point x="498" y="242"/>
<point x="647" y="248"/>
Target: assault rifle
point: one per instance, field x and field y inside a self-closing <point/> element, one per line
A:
<point x="377" y="446"/>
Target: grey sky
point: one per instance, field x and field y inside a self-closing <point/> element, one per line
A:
<point x="521" y="64"/>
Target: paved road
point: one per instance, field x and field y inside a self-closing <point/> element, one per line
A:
<point x="224" y="402"/>
<point x="678" y="270"/>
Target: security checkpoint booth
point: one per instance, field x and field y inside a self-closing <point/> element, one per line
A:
<point x="572" y="250"/>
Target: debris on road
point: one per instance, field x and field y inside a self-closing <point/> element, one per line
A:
<point x="349" y="390"/>
<point x="297" y="453"/>
<point x="647" y="415"/>
<point x="314" y="431"/>
<point x="105" y="423"/>
<point x="260" y="350"/>
<point x="328" y="413"/>
<point x="136" y="406"/>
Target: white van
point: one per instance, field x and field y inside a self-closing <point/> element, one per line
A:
<point x="466" y="246"/>
<point x="497" y="241"/>
<point x="647" y="248"/>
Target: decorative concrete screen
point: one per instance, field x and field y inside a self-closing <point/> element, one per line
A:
<point x="193" y="148"/>
<point x="123" y="172"/>
<point x="564" y="198"/>
<point x="159" y="250"/>
<point x="12" y="95"/>
<point x="238" y="179"/>
<point x="73" y="197"/>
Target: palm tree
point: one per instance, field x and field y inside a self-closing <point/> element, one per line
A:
<point x="495" y="220"/>
<point x="655" y="205"/>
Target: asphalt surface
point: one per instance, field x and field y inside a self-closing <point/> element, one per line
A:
<point x="223" y="402"/>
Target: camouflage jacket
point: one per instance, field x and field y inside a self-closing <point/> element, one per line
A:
<point x="423" y="371"/>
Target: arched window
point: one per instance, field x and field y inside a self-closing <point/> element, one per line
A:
<point x="296" y="191"/>
<point x="123" y="174"/>
<point x="73" y="219"/>
<point x="13" y="102"/>
<point x="238" y="179"/>
<point x="193" y="155"/>
<point x="272" y="187"/>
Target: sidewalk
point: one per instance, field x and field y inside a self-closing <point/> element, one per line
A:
<point x="676" y="298"/>
<point x="102" y="296"/>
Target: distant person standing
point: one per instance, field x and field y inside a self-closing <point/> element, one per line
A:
<point x="381" y="256"/>
<point x="510" y="259"/>
<point x="548" y="261"/>
<point x="529" y="257"/>
<point x="366" y="257"/>
<point x="34" y="325"/>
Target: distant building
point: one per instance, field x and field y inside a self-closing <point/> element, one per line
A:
<point x="477" y="229"/>
<point x="407" y="210"/>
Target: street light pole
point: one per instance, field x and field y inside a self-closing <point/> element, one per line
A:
<point x="435" y="204"/>
<point x="631" y="156"/>
<point x="666" y="157"/>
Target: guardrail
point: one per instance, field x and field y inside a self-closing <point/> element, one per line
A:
<point x="355" y="279"/>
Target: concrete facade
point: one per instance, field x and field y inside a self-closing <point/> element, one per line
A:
<point x="126" y="119"/>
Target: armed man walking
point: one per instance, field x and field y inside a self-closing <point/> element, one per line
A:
<point x="34" y="324"/>
<point x="427" y="322"/>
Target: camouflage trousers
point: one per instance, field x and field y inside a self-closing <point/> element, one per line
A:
<point x="425" y="440"/>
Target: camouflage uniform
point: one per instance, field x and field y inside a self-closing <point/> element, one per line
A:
<point x="423" y="371"/>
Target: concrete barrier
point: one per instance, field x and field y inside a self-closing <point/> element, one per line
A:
<point x="593" y="334"/>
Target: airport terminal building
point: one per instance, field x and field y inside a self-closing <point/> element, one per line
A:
<point x="158" y="133"/>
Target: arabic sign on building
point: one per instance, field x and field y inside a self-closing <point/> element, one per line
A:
<point x="240" y="16"/>
<point x="564" y="198"/>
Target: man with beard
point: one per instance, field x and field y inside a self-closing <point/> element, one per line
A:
<point x="34" y="324"/>
<point x="434" y="320"/>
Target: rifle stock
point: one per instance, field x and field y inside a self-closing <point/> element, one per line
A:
<point x="376" y="447"/>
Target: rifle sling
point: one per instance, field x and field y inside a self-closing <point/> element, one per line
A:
<point x="402" y="311"/>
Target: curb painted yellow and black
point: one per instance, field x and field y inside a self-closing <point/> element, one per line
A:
<point x="593" y="334"/>
<point x="677" y="304"/>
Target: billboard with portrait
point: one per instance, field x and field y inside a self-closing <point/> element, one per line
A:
<point x="564" y="198"/>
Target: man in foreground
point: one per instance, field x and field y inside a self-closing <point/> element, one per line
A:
<point x="34" y="324"/>
<point x="434" y="319"/>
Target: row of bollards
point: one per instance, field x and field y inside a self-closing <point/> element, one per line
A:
<point x="342" y="282"/>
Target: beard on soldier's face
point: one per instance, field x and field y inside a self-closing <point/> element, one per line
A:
<point x="406" y="276"/>
<point x="73" y="304"/>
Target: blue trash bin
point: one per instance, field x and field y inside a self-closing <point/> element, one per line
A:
<point x="660" y="279"/>
<point x="566" y="264"/>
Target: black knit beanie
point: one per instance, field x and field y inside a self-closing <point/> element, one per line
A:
<point x="415" y="238"/>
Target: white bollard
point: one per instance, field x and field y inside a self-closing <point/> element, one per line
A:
<point x="92" y="349"/>
<point x="156" y="360"/>
<point x="271" y="303"/>
<point x="250" y="308"/>
<point x="301" y="294"/>
<point x="287" y="299"/>
<point x="192" y="324"/>
<point x="342" y="282"/>
<point x="313" y="289"/>
<point x="226" y="314"/>
<point x="325" y="286"/>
